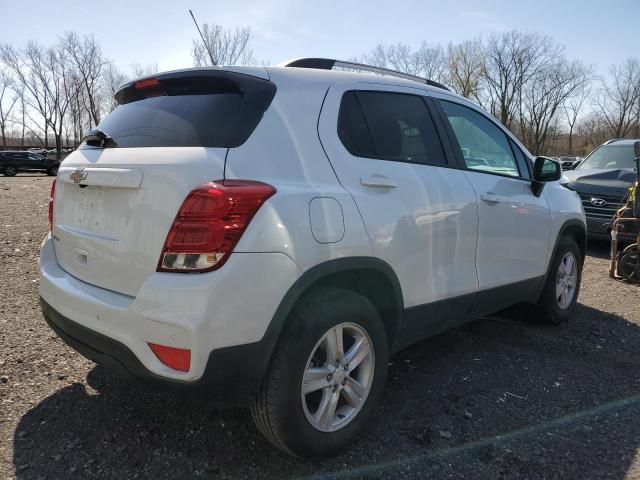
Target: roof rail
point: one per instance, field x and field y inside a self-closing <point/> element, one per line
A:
<point x="329" y="64"/>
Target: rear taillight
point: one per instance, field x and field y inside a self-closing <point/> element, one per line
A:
<point x="52" y="196"/>
<point x="209" y="224"/>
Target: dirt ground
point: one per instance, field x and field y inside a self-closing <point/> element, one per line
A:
<point x="497" y="398"/>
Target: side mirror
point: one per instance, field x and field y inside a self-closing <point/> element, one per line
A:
<point x="545" y="170"/>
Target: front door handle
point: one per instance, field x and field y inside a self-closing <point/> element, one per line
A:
<point x="490" y="197"/>
<point x="376" y="180"/>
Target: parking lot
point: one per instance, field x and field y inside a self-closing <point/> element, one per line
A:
<point x="497" y="398"/>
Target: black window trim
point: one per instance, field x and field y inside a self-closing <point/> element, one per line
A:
<point x="521" y="160"/>
<point x="457" y="150"/>
<point x="447" y="154"/>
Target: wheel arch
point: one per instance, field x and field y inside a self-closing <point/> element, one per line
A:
<point x="574" y="229"/>
<point x="370" y="277"/>
<point x="245" y="366"/>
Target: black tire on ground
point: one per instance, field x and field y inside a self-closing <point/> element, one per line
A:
<point x="10" y="171"/>
<point x="53" y="171"/>
<point x="548" y="309"/>
<point x="278" y="411"/>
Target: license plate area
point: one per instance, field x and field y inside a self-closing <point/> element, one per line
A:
<point x="91" y="198"/>
<point x="91" y="203"/>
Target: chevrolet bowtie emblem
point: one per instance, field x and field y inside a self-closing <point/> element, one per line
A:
<point x="78" y="175"/>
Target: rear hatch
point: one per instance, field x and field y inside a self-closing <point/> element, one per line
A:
<point x="118" y="194"/>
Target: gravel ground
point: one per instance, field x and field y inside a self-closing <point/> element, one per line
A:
<point x="497" y="398"/>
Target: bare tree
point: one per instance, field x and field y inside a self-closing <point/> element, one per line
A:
<point x="112" y="79"/>
<point x="432" y="63"/>
<point x="6" y="103"/>
<point x="227" y="46"/>
<point x="85" y="55"/>
<point x="23" y="113"/>
<point x="428" y="61"/>
<point x="511" y="60"/>
<point x="34" y="92"/>
<point x="593" y="129"/>
<point x="139" y="71"/>
<point x="465" y="67"/>
<point x="573" y="106"/>
<point x="542" y="97"/>
<point x="376" y="57"/>
<point x="619" y="99"/>
<point x="48" y="82"/>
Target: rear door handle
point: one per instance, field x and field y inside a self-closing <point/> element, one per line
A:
<point x="490" y="197"/>
<point x="378" y="181"/>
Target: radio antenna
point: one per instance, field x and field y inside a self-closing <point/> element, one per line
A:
<point x="202" y="37"/>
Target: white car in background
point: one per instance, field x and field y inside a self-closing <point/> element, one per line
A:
<point x="270" y="235"/>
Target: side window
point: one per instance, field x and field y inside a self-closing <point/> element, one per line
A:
<point x="389" y="126"/>
<point x="484" y="146"/>
<point x="352" y="127"/>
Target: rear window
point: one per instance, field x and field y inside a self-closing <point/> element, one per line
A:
<point x="188" y="109"/>
<point x="175" y="121"/>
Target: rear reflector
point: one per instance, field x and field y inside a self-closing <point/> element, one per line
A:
<point x="52" y="196"/>
<point x="209" y="224"/>
<point x="175" y="358"/>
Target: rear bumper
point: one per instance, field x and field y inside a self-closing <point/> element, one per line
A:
<point x="230" y="377"/>
<point x="222" y="317"/>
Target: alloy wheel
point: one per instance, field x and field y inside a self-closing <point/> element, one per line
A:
<point x="338" y="377"/>
<point x="566" y="280"/>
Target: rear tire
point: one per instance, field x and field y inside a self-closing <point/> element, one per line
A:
<point x="292" y="419"/>
<point x="560" y="294"/>
<point x="10" y="171"/>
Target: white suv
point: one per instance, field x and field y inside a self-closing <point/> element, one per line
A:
<point x="268" y="236"/>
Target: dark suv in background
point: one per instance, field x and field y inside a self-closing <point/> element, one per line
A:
<point x="14" y="161"/>
<point x="603" y="180"/>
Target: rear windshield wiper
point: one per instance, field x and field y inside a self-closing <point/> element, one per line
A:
<point x="98" y="138"/>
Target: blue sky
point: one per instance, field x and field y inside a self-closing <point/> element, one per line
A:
<point x="160" y="31"/>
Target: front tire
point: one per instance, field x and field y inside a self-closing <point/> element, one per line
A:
<point x="327" y="373"/>
<point x="560" y="294"/>
<point x="53" y="171"/>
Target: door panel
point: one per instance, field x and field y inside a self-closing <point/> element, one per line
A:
<point x="514" y="224"/>
<point x="36" y="162"/>
<point x="421" y="219"/>
<point x="514" y="230"/>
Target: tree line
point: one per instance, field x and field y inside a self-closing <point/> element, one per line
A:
<point x="50" y="95"/>
<point x="527" y="82"/>
<point x="524" y="79"/>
